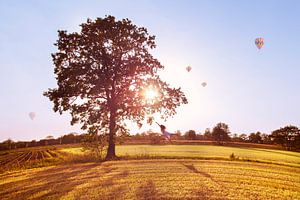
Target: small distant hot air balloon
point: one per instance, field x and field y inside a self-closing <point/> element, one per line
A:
<point x="32" y="115"/>
<point x="203" y="84"/>
<point x="188" y="68"/>
<point x="259" y="42"/>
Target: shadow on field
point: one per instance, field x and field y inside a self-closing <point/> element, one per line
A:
<point x="55" y="182"/>
<point x="109" y="184"/>
<point x="193" y="169"/>
<point x="147" y="191"/>
<point x="202" y="192"/>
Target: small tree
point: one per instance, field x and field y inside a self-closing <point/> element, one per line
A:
<point x="255" y="137"/>
<point x="207" y="134"/>
<point x="190" y="135"/>
<point x="96" y="144"/>
<point x="243" y="137"/>
<point x="102" y="74"/>
<point x="221" y="133"/>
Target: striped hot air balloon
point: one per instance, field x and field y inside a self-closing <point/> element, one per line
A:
<point x="259" y="42"/>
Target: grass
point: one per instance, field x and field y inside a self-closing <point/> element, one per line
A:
<point x="154" y="179"/>
<point x="211" y="152"/>
<point x="280" y="157"/>
<point x="154" y="172"/>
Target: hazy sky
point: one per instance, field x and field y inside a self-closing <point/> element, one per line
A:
<point x="249" y="89"/>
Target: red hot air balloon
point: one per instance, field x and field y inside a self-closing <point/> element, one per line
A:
<point x="188" y="68"/>
<point x="259" y="42"/>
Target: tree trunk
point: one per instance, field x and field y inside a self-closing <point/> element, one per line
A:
<point x="111" y="152"/>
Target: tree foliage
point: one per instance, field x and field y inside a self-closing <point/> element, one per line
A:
<point x="255" y="137"/>
<point x="207" y="134"/>
<point x="102" y="73"/>
<point x="220" y="133"/>
<point x="190" y="135"/>
<point x="95" y="144"/>
<point x="288" y="136"/>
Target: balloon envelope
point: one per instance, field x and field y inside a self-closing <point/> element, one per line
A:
<point x="188" y="68"/>
<point x="259" y="42"/>
<point x="32" y="115"/>
<point x="204" y="84"/>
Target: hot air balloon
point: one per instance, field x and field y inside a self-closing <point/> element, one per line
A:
<point x="259" y="42"/>
<point x="188" y="68"/>
<point x="32" y="115"/>
<point x="203" y="84"/>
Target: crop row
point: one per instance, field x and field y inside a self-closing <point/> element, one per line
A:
<point x="21" y="158"/>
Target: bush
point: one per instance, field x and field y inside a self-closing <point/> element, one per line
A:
<point x="155" y="138"/>
<point x="96" y="144"/>
<point x="233" y="157"/>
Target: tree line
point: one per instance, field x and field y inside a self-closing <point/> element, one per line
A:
<point x="288" y="137"/>
<point x="71" y="138"/>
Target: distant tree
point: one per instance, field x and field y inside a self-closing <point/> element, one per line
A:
<point x="155" y="138"/>
<point x="49" y="137"/>
<point x="190" y="135"/>
<point x="243" y="137"/>
<point x="33" y="143"/>
<point x="220" y="133"/>
<point x="122" y="138"/>
<point x="207" y="134"/>
<point x="102" y="74"/>
<point x="68" y="139"/>
<point x="8" y="144"/>
<point x="288" y="137"/>
<point x="200" y="136"/>
<point x="266" y="139"/>
<point x="235" y="137"/>
<point x="255" y="137"/>
<point x="177" y="135"/>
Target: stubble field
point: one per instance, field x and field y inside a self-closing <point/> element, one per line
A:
<point x="177" y="172"/>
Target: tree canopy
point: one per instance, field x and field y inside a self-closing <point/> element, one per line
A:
<point x="288" y="136"/>
<point x="220" y="133"/>
<point x="102" y="75"/>
<point x="191" y="135"/>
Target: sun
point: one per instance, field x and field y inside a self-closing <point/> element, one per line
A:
<point x="150" y="94"/>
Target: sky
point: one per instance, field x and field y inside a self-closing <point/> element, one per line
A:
<point x="248" y="89"/>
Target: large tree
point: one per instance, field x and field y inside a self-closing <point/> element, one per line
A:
<point x="102" y="75"/>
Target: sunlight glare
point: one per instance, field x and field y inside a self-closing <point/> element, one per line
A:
<point x="150" y="94"/>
